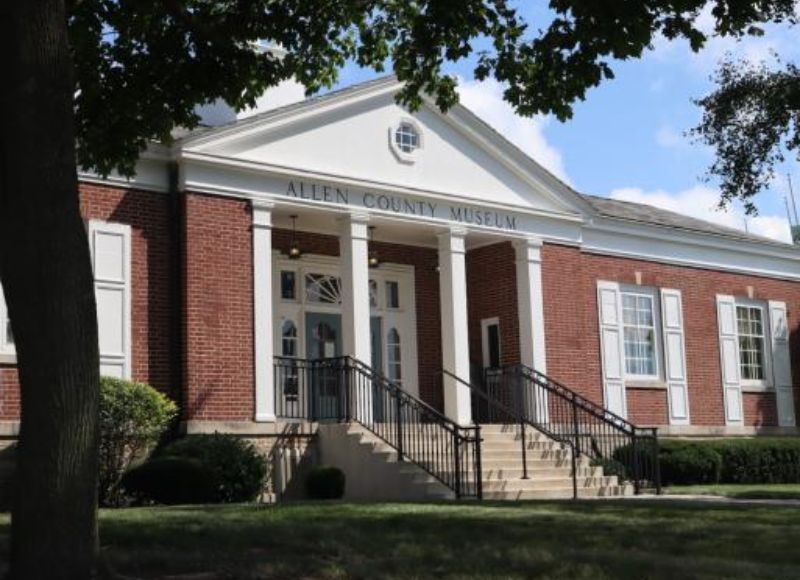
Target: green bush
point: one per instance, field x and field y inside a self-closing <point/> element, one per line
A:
<point x="687" y="463"/>
<point x="325" y="483"/>
<point x="171" y="481"/>
<point x="760" y="460"/>
<point x="643" y="458"/>
<point x="757" y="460"/>
<point x="610" y="467"/>
<point x="239" y="469"/>
<point x="133" y="417"/>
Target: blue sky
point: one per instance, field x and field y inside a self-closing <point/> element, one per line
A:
<point x="627" y="139"/>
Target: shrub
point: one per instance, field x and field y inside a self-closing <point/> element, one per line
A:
<point x="133" y="417"/>
<point x="687" y="463"/>
<point x="643" y="458"/>
<point x="325" y="483"/>
<point x="239" y="470"/>
<point x="760" y="460"/>
<point x="171" y="480"/>
<point x="610" y="467"/>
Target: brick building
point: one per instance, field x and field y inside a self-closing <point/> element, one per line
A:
<point x="343" y="225"/>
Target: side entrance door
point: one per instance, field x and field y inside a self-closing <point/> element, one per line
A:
<point x="324" y="341"/>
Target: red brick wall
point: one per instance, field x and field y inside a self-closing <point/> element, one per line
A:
<point x="424" y="260"/>
<point x="492" y="292"/>
<point x="218" y="311"/>
<point x="573" y="345"/>
<point x="148" y="214"/>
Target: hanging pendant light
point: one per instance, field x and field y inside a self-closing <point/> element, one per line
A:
<point x="294" y="247"/>
<point x="372" y="256"/>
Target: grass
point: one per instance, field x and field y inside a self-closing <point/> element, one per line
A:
<point x="583" y="540"/>
<point x="740" y="491"/>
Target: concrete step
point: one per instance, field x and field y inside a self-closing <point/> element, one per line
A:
<point x="559" y="493"/>
<point x="535" y="483"/>
<point x="542" y="472"/>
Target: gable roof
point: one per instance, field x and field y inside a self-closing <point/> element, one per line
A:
<point x="600" y="206"/>
<point x="648" y="214"/>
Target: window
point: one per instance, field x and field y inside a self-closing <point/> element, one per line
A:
<point x="6" y="336"/>
<point x="288" y="285"/>
<point x="393" y="361"/>
<point x="392" y="295"/>
<point x="638" y="325"/>
<point x="289" y="349"/>
<point x="323" y="289"/>
<point x="406" y="137"/>
<point x="373" y="294"/>
<point x="750" y="327"/>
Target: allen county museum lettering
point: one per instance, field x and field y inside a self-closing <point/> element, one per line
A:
<point x="402" y="205"/>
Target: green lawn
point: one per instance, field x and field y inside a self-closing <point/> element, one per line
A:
<point x="740" y="491"/>
<point x="584" y="540"/>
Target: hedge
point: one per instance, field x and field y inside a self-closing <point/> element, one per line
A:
<point x="758" y="460"/>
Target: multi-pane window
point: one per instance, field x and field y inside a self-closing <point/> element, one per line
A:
<point x="289" y="349"/>
<point x="393" y="361"/>
<point x="373" y="294"/>
<point x="406" y="138"/>
<point x="323" y="289"/>
<point x="288" y="285"/>
<point x="392" y="295"/>
<point x="750" y="327"/>
<point x="638" y="324"/>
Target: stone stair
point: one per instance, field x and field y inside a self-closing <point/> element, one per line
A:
<point x="372" y="469"/>
<point x="549" y="468"/>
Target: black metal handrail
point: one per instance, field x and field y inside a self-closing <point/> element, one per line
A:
<point x="346" y="389"/>
<point x="609" y="440"/>
<point x="488" y="408"/>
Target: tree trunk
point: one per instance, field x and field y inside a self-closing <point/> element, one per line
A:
<point x="47" y="279"/>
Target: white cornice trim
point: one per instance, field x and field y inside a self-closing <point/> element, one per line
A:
<point x="692" y="238"/>
<point x="376" y="186"/>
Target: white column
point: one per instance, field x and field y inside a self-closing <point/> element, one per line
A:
<point x="355" y="288"/>
<point x="262" y="311"/>
<point x="353" y="249"/>
<point x="455" y="335"/>
<point x="530" y="309"/>
<point x="530" y="305"/>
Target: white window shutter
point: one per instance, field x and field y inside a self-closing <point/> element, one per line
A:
<point x="781" y="363"/>
<point x="609" y="307"/>
<point x="729" y="359"/>
<point x="111" y="262"/>
<point x="674" y="356"/>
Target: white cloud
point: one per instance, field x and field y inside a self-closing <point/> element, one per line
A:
<point x="485" y="99"/>
<point x="701" y="202"/>
<point x="669" y="138"/>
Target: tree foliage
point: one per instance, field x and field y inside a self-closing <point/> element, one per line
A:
<point x="751" y="120"/>
<point x="142" y="68"/>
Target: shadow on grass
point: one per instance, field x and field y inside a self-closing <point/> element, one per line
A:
<point x="489" y="540"/>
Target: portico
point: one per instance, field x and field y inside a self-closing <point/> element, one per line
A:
<point x="329" y="302"/>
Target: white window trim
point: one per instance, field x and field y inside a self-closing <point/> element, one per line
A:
<point x="655" y="380"/>
<point x="8" y="352"/>
<point x="755" y="385"/>
<point x="401" y="155"/>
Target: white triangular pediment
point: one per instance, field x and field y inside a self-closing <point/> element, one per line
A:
<point x="350" y="138"/>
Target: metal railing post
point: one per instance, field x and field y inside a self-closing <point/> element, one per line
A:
<point x="399" y="423"/>
<point x="576" y="427"/>
<point x="478" y="467"/>
<point x="656" y="461"/>
<point x="524" y="451"/>
<point x="635" y="461"/>
<point x="457" y="462"/>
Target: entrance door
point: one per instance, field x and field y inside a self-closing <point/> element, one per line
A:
<point x="324" y="341"/>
